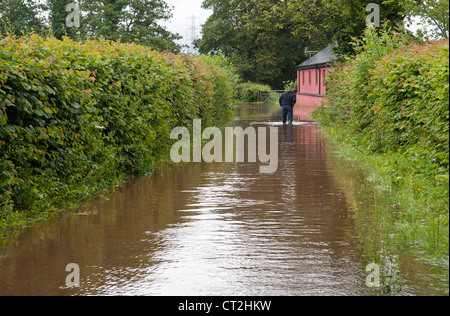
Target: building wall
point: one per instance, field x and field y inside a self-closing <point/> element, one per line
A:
<point x="309" y="100"/>
<point x="311" y="81"/>
<point x="311" y="91"/>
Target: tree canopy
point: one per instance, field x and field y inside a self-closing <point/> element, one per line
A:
<point x="266" y="38"/>
<point x="119" y="20"/>
<point x="129" y="21"/>
<point x="430" y="13"/>
<point x="19" y="16"/>
<point x="259" y="44"/>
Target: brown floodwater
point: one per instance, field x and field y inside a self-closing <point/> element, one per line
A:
<point x="206" y="229"/>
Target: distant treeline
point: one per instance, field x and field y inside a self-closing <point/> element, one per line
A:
<point x="77" y="118"/>
<point x="265" y="40"/>
<point x="137" y="21"/>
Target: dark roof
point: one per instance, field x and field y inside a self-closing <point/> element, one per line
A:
<point x="322" y="58"/>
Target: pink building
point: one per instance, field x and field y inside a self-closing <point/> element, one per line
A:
<point x="311" y="76"/>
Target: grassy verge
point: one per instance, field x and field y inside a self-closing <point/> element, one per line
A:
<point x="411" y="213"/>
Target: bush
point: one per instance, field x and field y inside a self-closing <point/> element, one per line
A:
<point x="395" y="95"/>
<point x="388" y="110"/>
<point x="410" y="89"/>
<point x="249" y="92"/>
<point x="75" y="118"/>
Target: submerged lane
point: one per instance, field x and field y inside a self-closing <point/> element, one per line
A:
<point x="203" y="229"/>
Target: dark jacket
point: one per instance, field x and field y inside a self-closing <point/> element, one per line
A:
<point x="288" y="98"/>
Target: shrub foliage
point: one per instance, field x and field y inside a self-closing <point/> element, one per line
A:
<point x="79" y="117"/>
<point x="249" y="91"/>
<point x="389" y="109"/>
<point x="395" y="95"/>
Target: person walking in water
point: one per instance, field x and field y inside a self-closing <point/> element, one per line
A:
<point x="287" y="102"/>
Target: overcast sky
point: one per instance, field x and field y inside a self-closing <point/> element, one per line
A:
<point x="182" y="12"/>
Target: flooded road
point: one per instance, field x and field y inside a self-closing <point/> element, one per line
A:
<point x="205" y="229"/>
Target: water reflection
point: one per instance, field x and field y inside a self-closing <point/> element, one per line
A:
<point x="204" y="229"/>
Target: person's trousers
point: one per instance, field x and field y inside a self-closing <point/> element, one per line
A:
<point x="288" y="113"/>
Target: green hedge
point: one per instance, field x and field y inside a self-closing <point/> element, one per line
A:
<point x="249" y="92"/>
<point x="388" y="110"/>
<point x="79" y="117"/>
<point x="395" y="96"/>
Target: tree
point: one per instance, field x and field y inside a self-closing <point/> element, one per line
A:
<point x="265" y="39"/>
<point x="57" y="18"/>
<point x="261" y="51"/>
<point x="323" y="22"/>
<point x="129" y="21"/>
<point x="20" y="16"/>
<point x="349" y="19"/>
<point x="434" y="13"/>
<point x="118" y="20"/>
